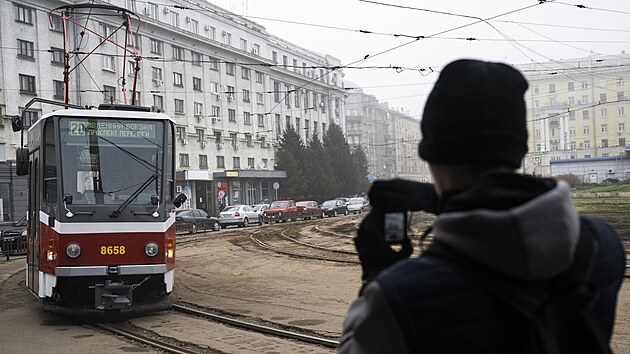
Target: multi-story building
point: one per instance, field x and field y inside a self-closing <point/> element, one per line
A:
<point x="389" y="137"/>
<point x="578" y="111"/>
<point x="230" y="86"/>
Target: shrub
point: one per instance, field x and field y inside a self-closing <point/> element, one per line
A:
<point x="570" y="178"/>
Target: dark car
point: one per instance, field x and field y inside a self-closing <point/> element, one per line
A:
<point x="195" y="220"/>
<point x="13" y="237"/>
<point x="309" y="209"/>
<point x="335" y="207"/>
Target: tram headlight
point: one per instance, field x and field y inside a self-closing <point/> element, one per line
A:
<point x="151" y="249"/>
<point x="73" y="250"/>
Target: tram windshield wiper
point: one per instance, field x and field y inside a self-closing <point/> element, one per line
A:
<point x="134" y="195"/>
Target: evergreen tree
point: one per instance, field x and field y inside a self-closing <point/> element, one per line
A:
<point x="318" y="171"/>
<point x="289" y="158"/>
<point x="339" y="153"/>
<point x="359" y="158"/>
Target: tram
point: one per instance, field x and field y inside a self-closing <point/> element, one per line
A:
<point x="101" y="221"/>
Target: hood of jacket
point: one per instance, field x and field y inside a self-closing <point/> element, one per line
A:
<point x="519" y="225"/>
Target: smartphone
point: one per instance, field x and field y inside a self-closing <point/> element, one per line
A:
<point x="395" y="227"/>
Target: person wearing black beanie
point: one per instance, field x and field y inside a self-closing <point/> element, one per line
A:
<point x="507" y="250"/>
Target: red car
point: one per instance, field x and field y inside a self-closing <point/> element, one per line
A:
<point x="309" y="209"/>
<point x="281" y="210"/>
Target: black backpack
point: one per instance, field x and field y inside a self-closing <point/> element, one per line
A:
<point x="558" y="312"/>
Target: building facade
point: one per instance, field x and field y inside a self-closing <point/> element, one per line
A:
<point x="231" y="87"/>
<point x="578" y="109"/>
<point x="389" y="137"/>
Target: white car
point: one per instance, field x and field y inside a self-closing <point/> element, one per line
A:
<point x="241" y="215"/>
<point x="260" y="208"/>
<point x="356" y="205"/>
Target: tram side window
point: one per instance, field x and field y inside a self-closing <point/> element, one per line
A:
<point x="50" y="163"/>
<point x="170" y="181"/>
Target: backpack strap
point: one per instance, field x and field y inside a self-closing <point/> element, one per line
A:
<point x="559" y="310"/>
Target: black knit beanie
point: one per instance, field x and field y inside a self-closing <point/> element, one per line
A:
<point x="475" y="114"/>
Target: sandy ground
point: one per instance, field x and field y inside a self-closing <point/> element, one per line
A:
<point x="226" y="271"/>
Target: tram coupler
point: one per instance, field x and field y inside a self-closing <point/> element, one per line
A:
<point x="113" y="296"/>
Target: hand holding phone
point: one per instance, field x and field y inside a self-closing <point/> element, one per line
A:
<point x="395" y="227"/>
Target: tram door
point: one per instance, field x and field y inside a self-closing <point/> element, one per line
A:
<point x="33" y="220"/>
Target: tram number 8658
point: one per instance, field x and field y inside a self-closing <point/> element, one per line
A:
<point x="111" y="250"/>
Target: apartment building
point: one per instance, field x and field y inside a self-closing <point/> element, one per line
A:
<point x="578" y="111"/>
<point x="231" y="87"/>
<point x="389" y="137"/>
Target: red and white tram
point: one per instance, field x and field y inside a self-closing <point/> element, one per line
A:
<point x="101" y="222"/>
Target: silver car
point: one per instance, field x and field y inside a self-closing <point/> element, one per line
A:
<point x="241" y="215"/>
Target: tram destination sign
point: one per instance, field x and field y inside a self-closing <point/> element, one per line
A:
<point x="111" y="129"/>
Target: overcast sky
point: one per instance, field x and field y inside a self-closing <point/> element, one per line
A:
<point x="515" y="32"/>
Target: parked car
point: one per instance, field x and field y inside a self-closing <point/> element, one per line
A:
<point x="240" y="215"/>
<point x="357" y="205"/>
<point x="13" y="237"/>
<point x="281" y="210"/>
<point x="260" y="208"/>
<point x="195" y="220"/>
<point x="309" y="209"/>
<point x="335" y="207"/>
<point x="343" y="199"/>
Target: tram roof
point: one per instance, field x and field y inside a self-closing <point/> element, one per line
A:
<point x="96" y="113"/>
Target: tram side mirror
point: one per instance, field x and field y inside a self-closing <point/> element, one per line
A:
<point x="67" y="198"/>
<point x="179" y="200"/>
<point x="155" y="200"/>
<point x="21" y="161"/>
<point x="16" y="123"/>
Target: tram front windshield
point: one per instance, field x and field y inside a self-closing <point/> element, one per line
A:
<point x="109" y="161"/>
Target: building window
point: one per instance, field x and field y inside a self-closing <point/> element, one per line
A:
<point x="250" y="162"/>
<point x="56" y="56"/>
<point x="259" y="77"/>
<point x="261" y="120"/>
<point x="571" y="101"/>
<point x="25" y="49"/>
<point x="232" y="115"/>
<point x="245" y="73"/>
<point x="156" y="73"/>
<point x="109" y="94"/>
<point x="276" y="91"/>
<point x="236" y="162"/>
<point x="158" y="102"/>
<point x="603" y="112"/>
<point x="620" y="96"/>
<point x="621" y="127"/>
<point x="571" y="131"/>
<point x="584" y="85"/>
<point x="23" y="14"/>
<point x="536" y="103"/>
<point x="198" y="109"/>
<point x="131" y="68"/>
<point x="184" y="160"/>
<point x="179" y="106"/>
<point x="256" y="49"/>
<point x="196" y="83"/>
<point x="106" y="30"/>
<point x="196" y="58"/>
<point x="602" y="98"/>
<point x="27" y="84"/>
<point x="620" y="81"/>
<point x="259" y="98"/>
<point x="230" y="93"/>
<point x="200" y="135"/>
<point x="285" y="61"/>
<point x="571" y="115"/>
<point x="203" y="161"/>
<point x="212" y="32"/>
<point x="586" y="130"/>
<point x="194" y="26"/>
<point x="247" y="118"/>
<point x="181" y="133"/>
<point x="265" y="163"/>
<point x="220" y="161"/>
<point x="152" y="11"/>
<point x="622" y="141"/>
<point x="156" y="46"/>
<point x="274" y="57"/>
<point x="130" y="5"/>
<point x="604" y="128"/>
<point x="584" y="100"/>
<point x="234" y="138"/>
<point x="178" y="53"/>
<point x="214" y="63"/>
<point x="178" y="79"/>
<point x="246" y="97"/>
<point x="56" y="23"/>
<point x="108" y="63"/>
<point x="216" y="111"/>
<point x="243" y="43"/>
<point x="297" y="126"/>
<point x="137" y="99"/>
<point x="227" y="38"/>
<point x="537" y="133"/>
<point x="278" y="126"/>
<point x="30" y="117"/>
<point x="229" y="68"/>
<point x="552" y="88"/>
<point x="571" y="86"/>
<point x="620" y="111"/>
<point x="604" y="143"/>
<point x="585" y="115"/>
<point x="587" y="144"/>
<point x="58" y="87"/>
<point x="217" y="136"/>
